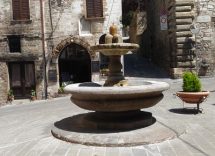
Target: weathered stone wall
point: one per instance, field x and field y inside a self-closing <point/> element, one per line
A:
<point x="205" y="39"/>
<point x="29" y="30"/>
<point x="31" y="48"/>
<point x="180" y="18"/>
<point x="62" y="19"/>
<point x="3" y="83"/>
<point x="177" y="49"/>
<point x="192" y="51"/>
<point x="64" y="24"/>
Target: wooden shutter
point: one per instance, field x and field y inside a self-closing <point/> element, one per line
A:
<point x="90" y="12"/>
<point x="94" y="8"/>
<point x="16" y="9"/>
<point x="21" y="10"/>
<point x="25" y="14"/>
<point x="98" y="8"/>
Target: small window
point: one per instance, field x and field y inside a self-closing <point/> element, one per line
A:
<point x="84" y="26"/>
<point x="94" y="8"/>
<point x="21" y="10"/>
<point x="14" y="43"/>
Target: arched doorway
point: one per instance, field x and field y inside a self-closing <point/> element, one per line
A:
<point x="74" y="65"/>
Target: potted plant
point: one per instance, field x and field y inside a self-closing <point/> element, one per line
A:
<point x="33" y="95"/>
<point x="104" y="71"/>
<point x="10" y="96"/>
<point x="192" y="90"/>
<point x="61" y="89"/>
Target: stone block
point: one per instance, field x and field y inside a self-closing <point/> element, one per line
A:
<point x="203" y="19"/>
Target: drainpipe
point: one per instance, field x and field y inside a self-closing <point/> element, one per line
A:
<point x="44" y="96"/>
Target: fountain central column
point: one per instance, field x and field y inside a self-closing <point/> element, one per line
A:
<point x="115" y="76"/>
<point x="115" y="71"/>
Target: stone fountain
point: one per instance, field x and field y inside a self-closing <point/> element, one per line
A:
<point x="117" y="100"/>
<point x="116" y="105"/>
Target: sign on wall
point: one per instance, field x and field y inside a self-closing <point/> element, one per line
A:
<point x="163" y="16"/>
<point x="163" y="22"/>
<point x="52" y="75"/>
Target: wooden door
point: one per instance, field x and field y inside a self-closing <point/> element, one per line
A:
<point x="22" y="78"/>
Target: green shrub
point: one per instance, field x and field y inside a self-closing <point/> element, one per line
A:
<point x="191" y="82"/>
<point x="61" y="89"/>
<point x="33" y="92"/>
<point x="10" y="92"/>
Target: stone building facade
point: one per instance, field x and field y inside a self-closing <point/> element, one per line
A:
<point x="37" y="44"/>
<point x="176" y="48"/>
<point x="48" y="44"/>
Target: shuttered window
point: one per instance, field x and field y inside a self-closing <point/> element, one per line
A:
<point x="21" y="10"/>
<point x="94" y="8"/>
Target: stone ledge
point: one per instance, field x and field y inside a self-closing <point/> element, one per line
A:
<point x="18" y="57"/>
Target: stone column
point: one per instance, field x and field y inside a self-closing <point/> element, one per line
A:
<point x="115" y="71"/>
<point x="4" y="82"/>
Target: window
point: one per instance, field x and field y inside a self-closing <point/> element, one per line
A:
<point x="14" y="43"/>
<point x="21" y="10"/>
<point x="84" y="27"/>
<point x="94" y="8"/>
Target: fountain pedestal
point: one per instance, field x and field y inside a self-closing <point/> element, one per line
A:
<point x="115" y="75"/>
<point x="118" y="121"/>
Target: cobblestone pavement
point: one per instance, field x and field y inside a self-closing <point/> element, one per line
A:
<point x="25" y="128"/>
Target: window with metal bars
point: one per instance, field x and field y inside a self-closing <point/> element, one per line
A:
<point x="21" y="10"/>
<point x="94" y="8"/>
<point x="14" y="43"/>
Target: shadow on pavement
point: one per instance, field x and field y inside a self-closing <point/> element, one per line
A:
<point x="188" y="111"/>
<point x="86" y="123"/>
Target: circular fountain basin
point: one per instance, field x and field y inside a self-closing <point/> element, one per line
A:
<point x="115" y="48"/>
<point x="135" y="96"/>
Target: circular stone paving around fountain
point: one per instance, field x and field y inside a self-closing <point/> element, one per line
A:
<point x="77" y="129"/>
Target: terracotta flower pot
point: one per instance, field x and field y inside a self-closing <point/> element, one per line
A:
<point x="10" y="98"/>
<point x="193" y="97"/>
<point x="33" y="98"/>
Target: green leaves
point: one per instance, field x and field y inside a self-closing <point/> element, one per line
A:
<point x="191" y="82"/>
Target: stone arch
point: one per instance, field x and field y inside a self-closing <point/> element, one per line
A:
<point x="72" y="39"/>
<point x="57" y="51"/>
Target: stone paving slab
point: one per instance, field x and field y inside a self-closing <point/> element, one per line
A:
<point x="25" y="128"/>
